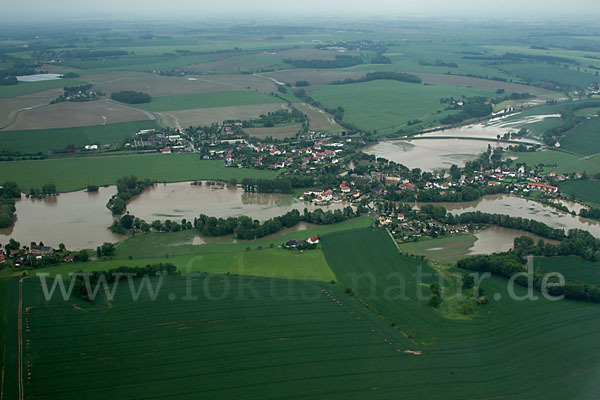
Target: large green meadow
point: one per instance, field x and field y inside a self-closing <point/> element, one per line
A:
<point x="572" y="267"/>
<point x="584" y="139"/>
<point x="587" y="190"/>
<point x="388" y="105"/>
<point x="43" y="140"/>
<point x="23" y="88"/>
<point x="207" y="100"/>
<point x="558" y="161"/>
<point x="312" y="339"/>
<point x="70" y="174"/>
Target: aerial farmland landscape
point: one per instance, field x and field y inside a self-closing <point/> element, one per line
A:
<point x="300" y="200"/>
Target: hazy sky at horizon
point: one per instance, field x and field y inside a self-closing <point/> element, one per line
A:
<point x="517" y="9"/>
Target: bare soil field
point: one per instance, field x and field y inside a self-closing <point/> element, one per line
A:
<point x="10" y="107"/>
<point x="318" y="119"/>
<point x="277" y="132"/>
<point x="453" y="80"/>
<point x="208" y="116"/>
<point x="70" y="114"/>
<point x="157" y="85"/>
<point x="314" y="77"/>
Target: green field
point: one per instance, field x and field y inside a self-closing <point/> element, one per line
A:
<point x="585" y="139"/>
<point x="446" y="250"/>
<point x="503" y="353"/>
<point x="266" y="338"/>
<point x="571" y="267"/>
<point x="386" y="105"/>
<point x="261" y="339"/>
<point x="42" y="140"/>
<point x="207" y="100"/>
<point x="586" y="190"/>
<point x="558" y="161"/>
<point x="70" y="174"/>
<point x="540" y="72"/>
<point x="22" y="88"/>
<point x="244" y="257"/>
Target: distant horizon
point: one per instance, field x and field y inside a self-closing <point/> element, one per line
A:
<point x="187" y="10"/>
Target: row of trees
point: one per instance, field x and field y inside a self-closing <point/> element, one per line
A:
<point x="8" y="193"/>
<point x="388" y="75"/>
<point x="474" y="107"/>
<point x="508" y="265"/>
<point x="341" y="61"/>
<point x="245" y="228"/>
<point x="131" y="97"/>
<point x="127" y="187"/>
<point x="82" y="289"/>
<point x="275" y="118"/>
<point x="464" y="193"/>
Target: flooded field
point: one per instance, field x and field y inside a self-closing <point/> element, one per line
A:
<point x="77" y="219"/>
<point x="430" y="154"/>
<point x="498" y="239"/>
<point x="492" y="128"/>
<point x="519" y="207"/>
<point x="183" y="200"/>
<point x="80" y="219"/>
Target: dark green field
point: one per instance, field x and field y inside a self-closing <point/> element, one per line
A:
<point x="264" y="339"/>
<point x="275" y="339"/>
<point x="42" y="140"/>
<point x="585" y="139"/>
<point x="207" y="100"/>
<point x="572" y="267"/>
<point x="513" y="349"/>
<point x="587" y="190"/>
<point x="70" y="174"/>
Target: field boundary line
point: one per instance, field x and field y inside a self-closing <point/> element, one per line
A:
<point x="394" y="241"/>
<point x="20" y="340"/>
<point x="2" y="373"/>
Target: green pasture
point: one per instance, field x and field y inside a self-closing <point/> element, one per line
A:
<point x="584" y="139"/>
<point x="540" y="72"/>
<point x="207" y="100"/>
<point x="23" y="88"/>
<point x="386" y="105"/>
<point x="446" y="250"/>
<point x="559" y="161"/>
<point x="43" y="140"/>
<point x="571" y="267"/>
<point x="70" y="174"/>
<point x="587" y="190"/>
<point x="498" y="353"/>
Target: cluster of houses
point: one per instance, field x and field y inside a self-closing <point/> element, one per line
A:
<point x="407" y="229"/>
<point x="345" y="193"/>
<point x="309" y="243"/>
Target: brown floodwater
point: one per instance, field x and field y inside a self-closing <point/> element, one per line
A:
<point x="430" y="154"/>
<point x="80" y="219"/>
<point x="77" y="219"/>
<point x="519" y="207"/>
<point x="182" y="200"/>
<point x="498" y="239"/>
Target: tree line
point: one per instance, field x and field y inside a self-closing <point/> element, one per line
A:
<point x="8" y="193"/>
<point x="247" y="229"/>
<point x="127" y="187"/>
<point x="131" y="97"/>
<point x="474" y="107"/>
<point x="509" y="264"/>
<point x="372" y="76"/>
<point x="341" y="61"/>
<point x="81" y="289"/>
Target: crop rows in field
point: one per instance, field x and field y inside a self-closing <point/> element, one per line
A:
<point x="513" y="349"/>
